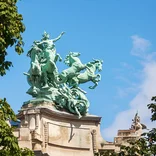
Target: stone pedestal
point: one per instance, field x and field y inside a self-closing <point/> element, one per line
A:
<point x="58" y="133"/>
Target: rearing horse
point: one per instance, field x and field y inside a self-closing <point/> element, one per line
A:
<point x="88" y="75"/>
<point x="75" y="66"/>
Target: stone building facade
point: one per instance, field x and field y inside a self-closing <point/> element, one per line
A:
<point x="49" y="132"/>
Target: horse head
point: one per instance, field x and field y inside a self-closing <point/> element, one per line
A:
<point x="71" y="58"/>
<point x="74" y="54"/>
<point x="98" y="64"/>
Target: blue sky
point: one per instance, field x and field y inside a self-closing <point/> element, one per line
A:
<point x="120" y="32"/>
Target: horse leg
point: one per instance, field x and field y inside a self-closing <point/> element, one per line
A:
<point x="95" y="84"/>
<point x="95" y="79"/>
<point x="33" y="89"/>
<point x="98" y="77"/>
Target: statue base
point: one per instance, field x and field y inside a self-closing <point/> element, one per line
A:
<point x="37" y="102"/>
<point x="49" y="131"/>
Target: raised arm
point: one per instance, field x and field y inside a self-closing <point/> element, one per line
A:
<point x="56" y="39"/>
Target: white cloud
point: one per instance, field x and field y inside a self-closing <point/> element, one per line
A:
<point x="147" y="89"/>
<point x="123" y="92"/>
<point x="140" y="46"/>
<point x="125" y="73"/>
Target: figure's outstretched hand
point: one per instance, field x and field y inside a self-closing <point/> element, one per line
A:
<point x="62" y="33"/>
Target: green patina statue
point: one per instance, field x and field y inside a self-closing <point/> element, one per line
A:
<point x="62" y="88"/>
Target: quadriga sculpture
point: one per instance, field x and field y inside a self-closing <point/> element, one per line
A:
<point x="62" y="88"/>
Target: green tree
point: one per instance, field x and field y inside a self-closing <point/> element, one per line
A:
<point x="11" y="27"/>
<point x="106" y="153"/>
<point x="152" y="106"/>
<point x="8" y="142"/>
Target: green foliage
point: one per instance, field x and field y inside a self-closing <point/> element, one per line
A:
<point x="106" y="153"/>
<point x="11" y="27"/>
<point x="8" y="142"/>
<point x="136" y="148"/>
<point x="152" y="106"/>
<point x="5" y="111"/>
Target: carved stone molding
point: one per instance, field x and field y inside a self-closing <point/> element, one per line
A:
<point x="94" y="140"/>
